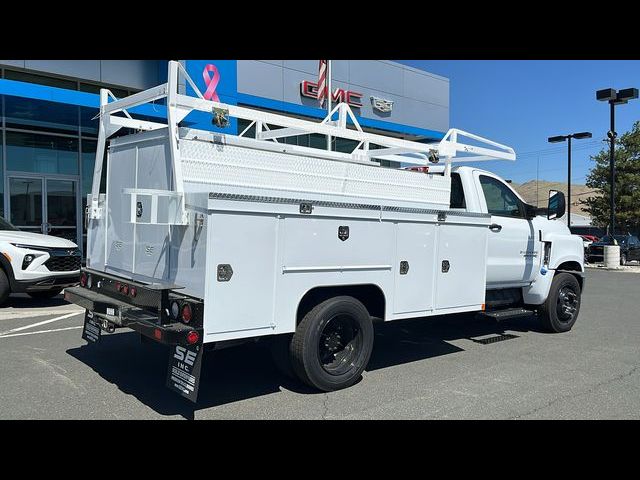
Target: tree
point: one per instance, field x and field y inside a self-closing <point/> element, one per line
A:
<point x="627" y="181"/>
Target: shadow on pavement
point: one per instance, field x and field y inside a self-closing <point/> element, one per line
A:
<point x="22" y="300"/>
<point x="247" y="371"/>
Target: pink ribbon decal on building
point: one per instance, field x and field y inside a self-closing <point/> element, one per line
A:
<point x="211" y="82"/>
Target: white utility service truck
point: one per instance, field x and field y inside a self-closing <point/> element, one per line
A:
<point x="203" y="238"/>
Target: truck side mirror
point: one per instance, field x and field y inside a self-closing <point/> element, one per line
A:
<point x="557" y="205"/>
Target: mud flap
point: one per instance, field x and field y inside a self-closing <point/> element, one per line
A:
<point x="183" y="374"/>
<point x="91" y="330"/>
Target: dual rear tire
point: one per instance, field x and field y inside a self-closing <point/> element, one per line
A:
<point x="330" y="347"/>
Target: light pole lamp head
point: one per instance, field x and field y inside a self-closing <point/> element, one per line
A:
<point x="627" y="94"/>
<point x="557" y="139"/>
<point x="580" y="135"/>
<point x="606" y="95"/>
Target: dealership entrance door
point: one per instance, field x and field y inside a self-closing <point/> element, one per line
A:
<point x="44" y="204"/>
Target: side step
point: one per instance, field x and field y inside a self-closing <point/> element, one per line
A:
<point x="507" y="313"/>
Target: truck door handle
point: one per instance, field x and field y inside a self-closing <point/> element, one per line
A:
<point x="494" y="227"/>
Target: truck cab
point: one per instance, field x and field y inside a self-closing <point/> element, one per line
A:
<point x="525" y="248"/>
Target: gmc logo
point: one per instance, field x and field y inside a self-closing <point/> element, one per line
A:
<point x="310" y="89"/>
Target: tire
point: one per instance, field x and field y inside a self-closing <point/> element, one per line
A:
<point x="560" y="311"/>
<point x="5" y="287"/>
<point x="332" y="344"/>
<point x="45" y="294"/>
<point x="279" y="349"/>
<point x="623" y="259"/>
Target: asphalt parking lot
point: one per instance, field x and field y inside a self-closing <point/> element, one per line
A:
<point x="420" y="369"/>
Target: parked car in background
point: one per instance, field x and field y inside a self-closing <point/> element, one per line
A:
<point x="586" y="241"/>
<point x="590" y="238"/>
<point x="40" y="265"/>
<point x="629" y="248"/>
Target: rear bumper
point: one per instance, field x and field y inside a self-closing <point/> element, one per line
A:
<point x="49" y="282"/>
<point x="119" y="314"/>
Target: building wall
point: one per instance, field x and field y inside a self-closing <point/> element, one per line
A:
<point x="421" y="99"/>
<point x="136" y="74"/>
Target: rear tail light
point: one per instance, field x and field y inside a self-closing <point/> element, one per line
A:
<point x="118" y="286"/>
<point x="83" y="279"/>
<point x="157" y="334"/>
<point x="125" y="289"/>
<point x="186" y="313"/>
<point x="133" y="291"/>
<point x="193" y="337"/>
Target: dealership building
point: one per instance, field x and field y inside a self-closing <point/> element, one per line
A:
<point x="49" y="126"/>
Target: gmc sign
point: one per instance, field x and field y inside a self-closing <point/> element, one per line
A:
<point x="310" y="89"/>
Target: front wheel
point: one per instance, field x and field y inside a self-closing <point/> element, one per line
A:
<point x="560" y="311"/>
<point x="332" y="344"/>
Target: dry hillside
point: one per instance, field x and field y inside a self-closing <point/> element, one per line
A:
<point x="530" y="191"/>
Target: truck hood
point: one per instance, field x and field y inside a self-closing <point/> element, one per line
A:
<point x="35" y="239"/>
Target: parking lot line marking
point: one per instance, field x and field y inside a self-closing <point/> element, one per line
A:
<point x="41" y="331"/>
<point x="44" y="322"/>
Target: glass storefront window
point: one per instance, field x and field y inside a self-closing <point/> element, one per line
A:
<point x="26" y="201"/>
<point x="29" y="114"/>
<point x="31" y="152"/>
<point x="89" y="125"/>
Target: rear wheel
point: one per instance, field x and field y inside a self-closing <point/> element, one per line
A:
<point x="5" y="287"/>
<point x="45" y="294"/>
<point x="332" y="344"/>
<point x="560" y="311"/>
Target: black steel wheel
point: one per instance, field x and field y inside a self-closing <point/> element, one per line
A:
<point x="560" y="311"/>
<point x="332" y="344"/>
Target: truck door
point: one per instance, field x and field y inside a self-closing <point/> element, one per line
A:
<point x="513" y="256"/>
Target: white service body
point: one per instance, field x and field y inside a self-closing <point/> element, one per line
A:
<point x="251" y="220"/>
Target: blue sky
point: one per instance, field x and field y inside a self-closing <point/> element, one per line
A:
<point x="523" y="102"/>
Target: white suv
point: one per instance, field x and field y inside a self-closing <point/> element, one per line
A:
<point x="40" y="265"/>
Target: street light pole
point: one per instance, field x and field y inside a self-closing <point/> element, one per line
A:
<point x="562" y="138"/>
<point x="612" y="171"/>
<point x="569" y="182"/>
<point x="614" y="98"/>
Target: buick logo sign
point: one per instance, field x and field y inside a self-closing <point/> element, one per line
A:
<point x="381" y="104"/>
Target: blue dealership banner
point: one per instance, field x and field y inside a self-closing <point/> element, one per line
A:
<point x="217" y="80"/>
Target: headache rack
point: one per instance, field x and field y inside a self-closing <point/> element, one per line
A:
<point x="267" y="129"/>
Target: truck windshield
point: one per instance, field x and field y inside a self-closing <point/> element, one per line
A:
<point x="4" y="225"/>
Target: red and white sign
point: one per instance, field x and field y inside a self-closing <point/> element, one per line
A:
<point x="310" y="89"/>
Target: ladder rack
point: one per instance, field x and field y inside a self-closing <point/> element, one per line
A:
<point x="449" y="149"/>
